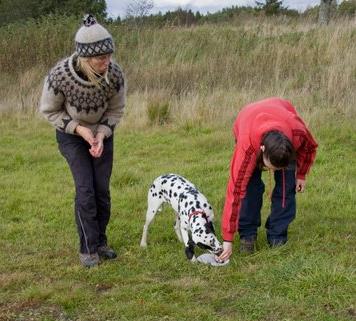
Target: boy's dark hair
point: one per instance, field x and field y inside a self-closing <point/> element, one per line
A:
<point x="278" y="149"/>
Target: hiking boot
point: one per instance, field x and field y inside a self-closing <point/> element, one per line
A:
<point x="276" y="242"/>
<point x="247" y="246"/>
<point x="89" y="260"/>
<point x="106" y="253"/>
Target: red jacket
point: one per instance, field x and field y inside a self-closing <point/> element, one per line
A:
<point x="252" y="122"/>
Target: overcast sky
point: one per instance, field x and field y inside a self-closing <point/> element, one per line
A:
<point x="118" y="7"/>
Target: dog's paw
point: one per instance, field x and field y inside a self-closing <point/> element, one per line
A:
<point x="143" y="244"/>
<point x="194" y="259"/>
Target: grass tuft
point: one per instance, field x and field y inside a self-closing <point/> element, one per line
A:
<point x="158" y="113"/>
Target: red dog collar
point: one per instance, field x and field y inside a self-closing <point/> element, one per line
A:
<point x="194" y="213"/>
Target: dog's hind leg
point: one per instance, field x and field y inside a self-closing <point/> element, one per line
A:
<point x="177" y="228"/>
<point x="153" y="205"/>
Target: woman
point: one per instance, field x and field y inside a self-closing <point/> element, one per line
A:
<point x="268" y="133"/>
<point x="84" y="98"/>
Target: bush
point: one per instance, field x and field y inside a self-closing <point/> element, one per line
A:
<point x="347" y="8"/>
<point x="158" y="112"/>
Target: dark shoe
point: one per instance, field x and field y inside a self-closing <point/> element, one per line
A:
<point x="276" y="242"/>
<point x="247" y="245"/>
<point x="106" y="252"/>
<point x="89" y="260"/>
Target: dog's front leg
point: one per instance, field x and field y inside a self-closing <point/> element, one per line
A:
<point x="189" y="245"/>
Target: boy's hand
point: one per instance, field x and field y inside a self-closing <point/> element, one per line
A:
<point x="227" y="251"/>
<point x="300" y="185"/>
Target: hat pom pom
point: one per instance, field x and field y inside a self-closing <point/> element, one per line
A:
<point x="89" y="20"/>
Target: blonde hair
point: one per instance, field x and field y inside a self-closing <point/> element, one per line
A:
<point x="95" y="78"/>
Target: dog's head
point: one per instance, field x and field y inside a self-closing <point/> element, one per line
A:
<point x="203" y="234"/>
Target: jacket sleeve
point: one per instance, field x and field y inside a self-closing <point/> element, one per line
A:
<point x="242" y="166"/>
<point x="307" y="149"/>
<point x="52" y="108"/>
<point x="305" y="154"/>
<point x="115" y="110"/>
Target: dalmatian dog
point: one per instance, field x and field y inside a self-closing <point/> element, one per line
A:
<point x="194" y="215"/>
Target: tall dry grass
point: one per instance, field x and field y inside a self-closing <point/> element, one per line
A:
<point x="204" y="73"/>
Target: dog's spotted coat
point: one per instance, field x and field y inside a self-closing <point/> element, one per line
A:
<point x="194" y="219"/>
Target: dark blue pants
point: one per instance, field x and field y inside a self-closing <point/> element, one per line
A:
<point x="283" y="209"/>
<point x="92" y="195"/>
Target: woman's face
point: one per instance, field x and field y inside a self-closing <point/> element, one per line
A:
<point x="100" y="63"/>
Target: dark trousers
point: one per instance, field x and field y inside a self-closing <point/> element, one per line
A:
<point x="92" y="195"/>
<point x="283" y="207"/>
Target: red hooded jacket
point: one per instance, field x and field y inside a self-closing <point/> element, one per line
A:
<point x="252" y="122"/>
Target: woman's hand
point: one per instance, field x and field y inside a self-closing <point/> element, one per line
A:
<point x="300" y="185"/>
<point x="86" y="134"/>
<point x="227" y="251"/>
<point x="97" y="149"/>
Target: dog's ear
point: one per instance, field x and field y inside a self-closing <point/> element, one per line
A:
<point x="189" y="250"/>
<point x="209" y="227"/>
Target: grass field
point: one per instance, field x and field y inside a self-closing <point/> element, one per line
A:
<point x="311" y="278"/>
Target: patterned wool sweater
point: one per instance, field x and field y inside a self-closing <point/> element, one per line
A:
<point x="68" y="100"/>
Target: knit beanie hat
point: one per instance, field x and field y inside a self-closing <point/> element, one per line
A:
<point x="92" y="39"/>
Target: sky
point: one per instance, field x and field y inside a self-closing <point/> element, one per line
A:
<point x="118" y="7"/>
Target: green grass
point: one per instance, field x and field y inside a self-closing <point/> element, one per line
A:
<point x="311" y="278"/>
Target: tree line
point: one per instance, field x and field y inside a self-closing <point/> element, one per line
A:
<point x="21" y="10"/>
<point x="138" y="11"/>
